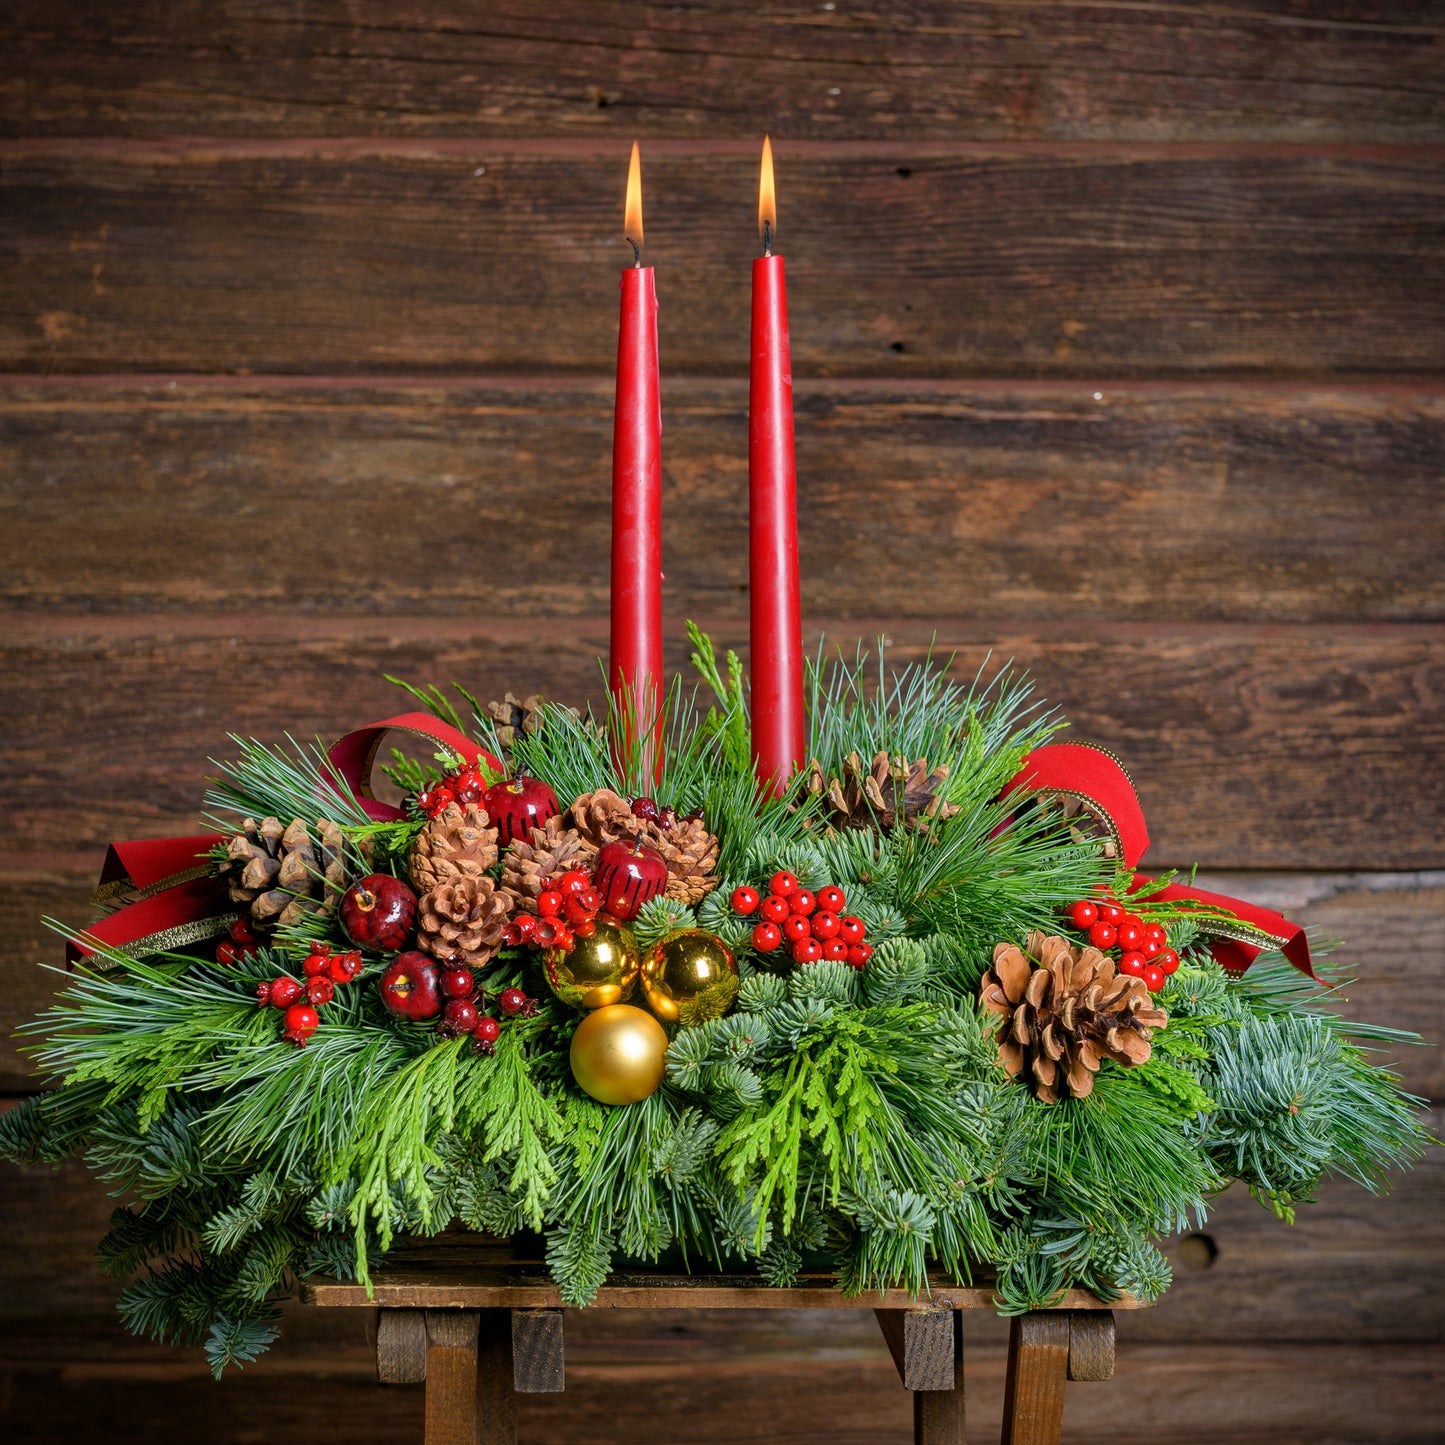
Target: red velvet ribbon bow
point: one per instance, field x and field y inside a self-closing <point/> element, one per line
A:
<point x="1095" y="778"/>
<point x="175" y="897"/>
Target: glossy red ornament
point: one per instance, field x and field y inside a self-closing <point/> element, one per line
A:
<point x="807" y="950"/>
<point x="851" y="929"/>
<point x="517" y="806"/>
<point x="284" y="992"/>
<point x="831" y="899"/>
<point x="1103" y="935"/>
<point x="1110" y="913"/>
<point x="460" y="1016"/>
<point x="627" y="875"/>
<point x="411" y="987"/>
<point x="767" y="937"/>
<point x="488" y="1030"/>
<point x="511" y="1000"/>
<point x="783" y="884"/>
<point x="1153" y="977"/>
<point x="1129" y="935"/>
<point x="802" y="901"/>
<point x="796" y="926"/>
<point x="859" y="954"/>
<point x="1083" y="914"/>
<point x="458" y="982"/>
<point x="745" y="900"/>
<point x="1133" y="964"/>
<point x="1167" y="959"/>
<point x="319" y="991"/>
<point x="775" y="908"/>
<point x="826" y="925"/>
<point x="835" y="951"/>
<point x="378" y="912"/>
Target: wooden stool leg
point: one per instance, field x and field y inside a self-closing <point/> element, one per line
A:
<point x="469" y="1398"/>
<point x="496" y="1391"/>
<point x="938" y="1414"/>
<point x="1038" y="1360"/>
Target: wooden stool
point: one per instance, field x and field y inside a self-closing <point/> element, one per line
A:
<point x="478" y="1327"/>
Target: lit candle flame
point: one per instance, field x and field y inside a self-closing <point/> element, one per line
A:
<point x="632" y="224"/>
<point x="767" y="197"/>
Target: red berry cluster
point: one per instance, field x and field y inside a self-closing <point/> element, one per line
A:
<point x="241" y="945"/>
<point x="1144" y="950"/>
<point x="299" y="1002"/>
<point x="466" y="785"/>
<point x="665" y="818"/>
<point x="419" y="989"/>
<point x="565" y="912"/>
<point x="813" y="925"/>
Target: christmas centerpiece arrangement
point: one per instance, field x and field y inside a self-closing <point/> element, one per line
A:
<point x="830" y="967"/>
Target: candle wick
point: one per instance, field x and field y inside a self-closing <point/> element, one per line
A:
<point x="767" y="238"/>
<point x="636" y="252"/>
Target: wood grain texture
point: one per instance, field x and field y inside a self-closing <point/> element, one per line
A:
<point x="1314" y="70"/>
<point x="1033" y="1401"/>
<point x="401" y="1342"/>
<point x="940" y="1415"/>
<point x="1091" y="1346"/>
<point x="453" y="1377"/>
<point x="921" y="1343"/>
<point x="1253" y="746"/>
<point x="1228" y="503"/>
<point x="918" y="259"/>
<point x="539" y="1358"/>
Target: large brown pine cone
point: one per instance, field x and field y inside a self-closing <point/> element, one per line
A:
<point x="1065" y="1011"/>
<point x="547" y="853"/>
<point x="688" y="849"/>
<point x="888" y="793"/>
<point x="283" y="874"/>
<point x="462" y="920"/>
<point x="512" y="718"/>
<point x="458" y="842"/>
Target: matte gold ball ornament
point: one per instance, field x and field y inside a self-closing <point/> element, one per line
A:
<point x="597" y="971"/>
<point x="690" y="977"/>
<point x="618" y="1053"/>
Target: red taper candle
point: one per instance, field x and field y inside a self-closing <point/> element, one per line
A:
<point x="776" y="629"/>
<point x="635" y="669"/>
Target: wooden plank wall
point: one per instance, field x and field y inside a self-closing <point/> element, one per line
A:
<point x="1118" y="332"/>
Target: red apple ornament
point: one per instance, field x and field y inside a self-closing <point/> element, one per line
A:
<point x="627" y="875"/>
<point x="411" y="987"/>
<point x="517" y="806"/>
<point x="378" y="912"/>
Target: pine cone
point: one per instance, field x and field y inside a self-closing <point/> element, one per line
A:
<point x="457" y="842"/>
<point x="283" y="874"/>
<point x="690" y="853"/>
<point x="604" y="817"/>
<point x="462" y="920"/>
<point x="534" y="862"/>
<point x="513" y="718"/>
<point x="1066" y="1010"/>
<point x="889" y="793"/>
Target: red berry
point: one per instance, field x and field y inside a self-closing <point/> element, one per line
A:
<point x="319" y="991"/>
<point x="802" y="901"/>
<point x="1129" y="935"/>
<point x="343" y="967"/>
<point x="826" y="925"/>
<point x="775" y="908"/>
<point x="783" y="884"/>
<point x="228" y="954"/>
<point x="851" y="929"/>
<point x="460" y="1016"/>
<point x="835" y="951"/>
<point x="766" y="937"/>
<point x="1151" y="947"/>
<point x="549" y="903"/>
<point x="547" y="933"/>
<point x="511" y="1000"/>
<point x="284" y="992"/>
<point x="316" y="964"/>
<point x="1110" y="913"/>
<point x="646" y="809"/>
<point x="1084" y="914"/>
<point x="263" y="994"/>
<point x="458" y="983"/>
<point x="832" y="899"/>
<point x="242" y="932"/>
<point x="1102" y="935"/>
<point x="592" y="899"/>
<point x="1167" y="960"/>
<point x="796" y="926"/>
<point x="807" y="950"/>
<point x="575" y="909"/>
<point x="859" y="954"/>
<point x="567" y="937"/>
<point x="488" y="1030"/>
<point x="1134" y="920"/>
<point x="745" y="900"/>
<point x="574" y="880"/>
<point x="512" y="936"/>
<point x="301" y="1018"/>
<point x="1153" y="977"/>
<point x="1155" y="932"/>
<point x="1132" y="962"/>
<point x="527" y="925"/>
<point x="586" y="928"/>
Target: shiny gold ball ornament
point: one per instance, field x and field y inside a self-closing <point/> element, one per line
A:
<point x="597" y="971"/>
<point x="617" y="1054"/>
<point x="690" y="977"/>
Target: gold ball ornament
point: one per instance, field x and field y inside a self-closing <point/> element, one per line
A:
<point x="598" y="971"/>
<point x="618" y="1053"/>
<point x="690" y="977"/>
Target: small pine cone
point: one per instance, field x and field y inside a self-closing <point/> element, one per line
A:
<point x="462" y="920"/>
<point x="1065" y="1011"/>
<point x="546" y="854"/>
<point x="604" y="817"/>
<point x="283" y="874"/>
<point x="889" y="793"/>
<point x="513" y="718"/>
<point x="690" y="853"/>
<point x="458" y="842"/>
